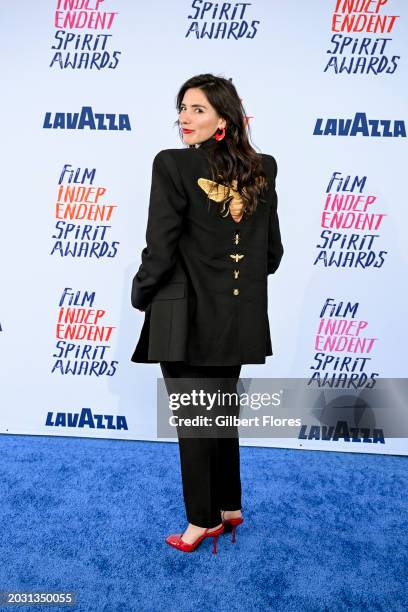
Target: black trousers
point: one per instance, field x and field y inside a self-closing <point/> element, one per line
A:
<point x="210" y="466"/>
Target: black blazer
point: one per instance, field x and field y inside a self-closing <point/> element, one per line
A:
<point x="203" y="278"/>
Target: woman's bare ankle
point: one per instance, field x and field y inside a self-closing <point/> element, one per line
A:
<point x="194" y="531"/>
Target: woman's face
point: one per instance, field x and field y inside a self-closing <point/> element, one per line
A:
<point x="197" y="118"/>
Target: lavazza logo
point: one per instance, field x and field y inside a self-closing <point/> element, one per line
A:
<point x="86" y="119"/>
<point x="85" y="418"/>
<point x="344" y="430"/>
<point x="360" y="124"/>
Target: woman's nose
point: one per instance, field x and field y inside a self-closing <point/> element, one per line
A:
<point x="184" y="117"/>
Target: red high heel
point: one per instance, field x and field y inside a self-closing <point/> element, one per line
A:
<point x="231" y="522"/>
<point x="175" y="540"/>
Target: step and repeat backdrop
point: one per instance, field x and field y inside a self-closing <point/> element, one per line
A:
<point x="88" y="98"/>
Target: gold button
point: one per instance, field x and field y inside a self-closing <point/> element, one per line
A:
<point x="236" y="273"/>
<point x="236" y="257"/>
<point x="236" y="291"/>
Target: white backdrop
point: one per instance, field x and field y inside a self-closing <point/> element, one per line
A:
<point x="277" y="54"/>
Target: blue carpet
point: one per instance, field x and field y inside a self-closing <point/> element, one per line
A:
<point x="323" y="531"/>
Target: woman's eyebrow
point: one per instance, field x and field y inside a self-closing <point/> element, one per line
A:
<point x="202" y="105"/>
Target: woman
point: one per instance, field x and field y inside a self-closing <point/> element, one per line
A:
<point x="212" y="239"/>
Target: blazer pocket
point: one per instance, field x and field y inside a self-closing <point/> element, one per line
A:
<point x="171" y="291"/>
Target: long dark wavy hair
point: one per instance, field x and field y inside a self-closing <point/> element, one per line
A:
<point x="233" y="157"/>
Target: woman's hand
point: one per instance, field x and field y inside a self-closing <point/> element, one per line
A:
<point x="236" y="209"/>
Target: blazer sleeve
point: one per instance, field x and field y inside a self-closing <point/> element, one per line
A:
<point x="275" y="247"/>
<point x="165" y="218"/>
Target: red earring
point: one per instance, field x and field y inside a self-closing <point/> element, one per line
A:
<point x="220" y="136"/>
